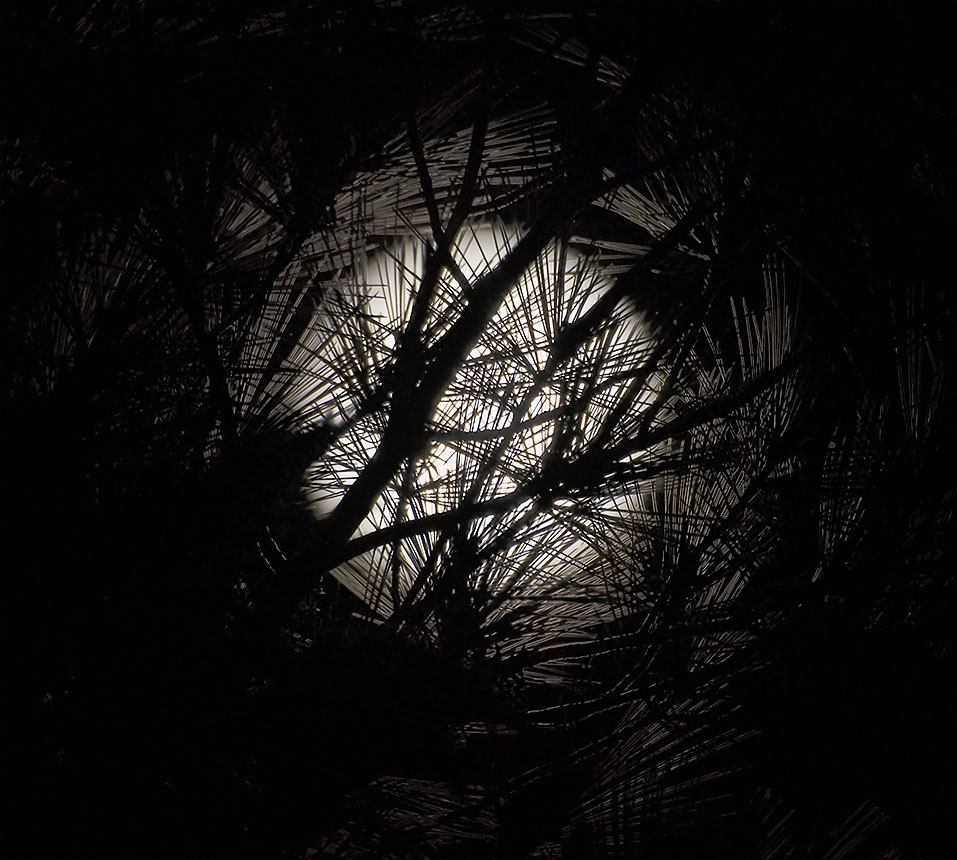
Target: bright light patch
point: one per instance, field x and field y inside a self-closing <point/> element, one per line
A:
<point x="508" y="414"/>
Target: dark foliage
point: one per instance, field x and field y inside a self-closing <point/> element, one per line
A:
<point x="465" y="431"/>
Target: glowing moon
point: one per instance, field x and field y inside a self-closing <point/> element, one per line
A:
<point x="500" y="418"/>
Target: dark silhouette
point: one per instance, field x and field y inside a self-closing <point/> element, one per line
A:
<point x="444" y="431"/>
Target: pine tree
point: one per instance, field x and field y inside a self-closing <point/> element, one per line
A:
<point x="447" y="432"/>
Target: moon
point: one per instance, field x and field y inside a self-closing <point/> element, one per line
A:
<point x="505" y="413"/>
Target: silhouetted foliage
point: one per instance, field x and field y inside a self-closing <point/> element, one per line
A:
<point x="452" y="431"/>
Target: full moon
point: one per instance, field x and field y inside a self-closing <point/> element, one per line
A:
<point x="505" y="413"/>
